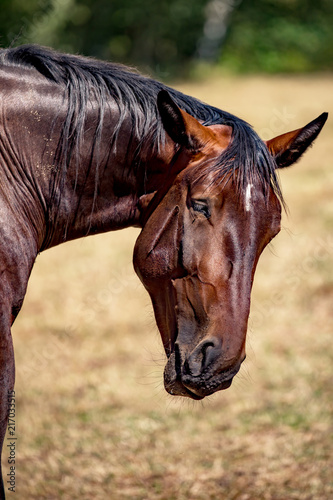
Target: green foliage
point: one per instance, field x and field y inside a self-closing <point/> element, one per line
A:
<point x="162" y="37"/>
<point x="280" y="36"/>
<point x="158" y="36"/>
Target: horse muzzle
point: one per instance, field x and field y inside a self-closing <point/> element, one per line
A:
<point x="201" y="372"/>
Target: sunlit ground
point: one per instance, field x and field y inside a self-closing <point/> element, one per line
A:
<point x="93" y="419"/>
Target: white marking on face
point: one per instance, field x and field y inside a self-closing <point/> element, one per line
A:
<point x="248" y="194"/>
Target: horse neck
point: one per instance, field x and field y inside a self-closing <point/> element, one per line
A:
<point x="100" y="189"/>
<point x="96" y="191"/>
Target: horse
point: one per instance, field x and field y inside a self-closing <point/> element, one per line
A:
<point x="88" y="146"/>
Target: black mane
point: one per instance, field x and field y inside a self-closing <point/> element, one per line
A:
<point x="136" y="96"/>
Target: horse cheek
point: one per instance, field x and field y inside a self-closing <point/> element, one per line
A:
<point x="154" y="258"/>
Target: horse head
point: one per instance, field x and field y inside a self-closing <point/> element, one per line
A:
<point x="202" y="236"/>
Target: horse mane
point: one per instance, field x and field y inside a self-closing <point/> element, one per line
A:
<point x="136" y="96"/>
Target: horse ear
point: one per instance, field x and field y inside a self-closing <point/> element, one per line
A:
<point x="183" y="128"/>
<point x="288" y="148"/>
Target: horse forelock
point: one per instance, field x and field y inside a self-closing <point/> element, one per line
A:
<point x="246" y="160"/>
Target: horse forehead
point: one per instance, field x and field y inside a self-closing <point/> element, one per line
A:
<point x="248" y="196"/>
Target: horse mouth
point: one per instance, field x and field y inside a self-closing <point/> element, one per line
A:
<point x="196" y="388"/>
<point x="176" y="388"/>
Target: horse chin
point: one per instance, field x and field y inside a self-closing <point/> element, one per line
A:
<point x="176" y="385"/>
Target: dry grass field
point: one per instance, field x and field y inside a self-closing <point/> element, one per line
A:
<point x="93" y="420"/>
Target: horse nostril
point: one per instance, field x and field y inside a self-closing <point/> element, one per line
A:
<point x="202" y="357"/>
<point x="209" y="354"/>
<point x="177" y="359"/>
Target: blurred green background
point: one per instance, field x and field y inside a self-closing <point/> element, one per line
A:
<point x="169" y="37"/>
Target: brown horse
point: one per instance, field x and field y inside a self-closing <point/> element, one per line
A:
<point x="88" y="147"/>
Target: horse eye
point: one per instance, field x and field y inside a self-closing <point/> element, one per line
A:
<point x="201" y="206"/>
